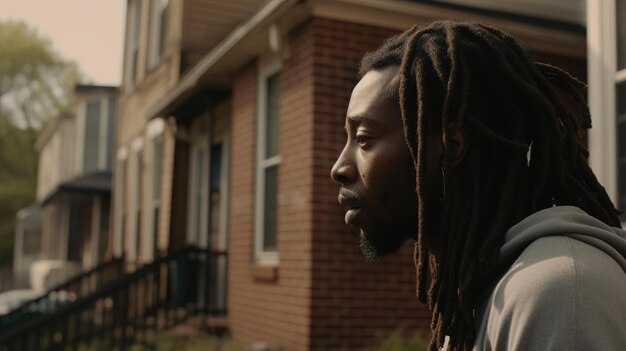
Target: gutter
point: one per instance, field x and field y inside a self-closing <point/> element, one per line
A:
<point x="190" y="81"/>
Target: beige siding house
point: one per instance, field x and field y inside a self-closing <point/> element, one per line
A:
<point x="73" y="192"/>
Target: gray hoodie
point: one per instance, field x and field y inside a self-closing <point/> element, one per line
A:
<point x="564" y="289"/>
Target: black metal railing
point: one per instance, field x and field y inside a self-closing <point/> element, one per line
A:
<point x="75" y="288"/>
<point x="130" y="309"/>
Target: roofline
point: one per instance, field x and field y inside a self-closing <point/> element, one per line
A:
<point x="190" y="80"/>
<point x="67" y="186"/>
<point x="79" y="88"/>
<point x="49" y="131"/>
<point x="565" y="38"/>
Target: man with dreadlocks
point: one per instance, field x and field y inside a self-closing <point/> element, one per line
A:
<point x="457" y="139"/>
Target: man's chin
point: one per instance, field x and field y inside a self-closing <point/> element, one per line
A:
<point x="376" y="247"/>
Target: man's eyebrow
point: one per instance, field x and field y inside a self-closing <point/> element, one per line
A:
<point x="358" y="119"/>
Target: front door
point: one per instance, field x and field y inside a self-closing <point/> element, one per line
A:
<point x="207" y="217"/>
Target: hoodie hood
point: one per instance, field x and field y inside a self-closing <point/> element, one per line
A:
<point x="562" y="220"/>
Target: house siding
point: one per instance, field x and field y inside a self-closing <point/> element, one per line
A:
<point x="135" y="104"/>
<point x="321" y="296"/>
<point x="262" y="309"/>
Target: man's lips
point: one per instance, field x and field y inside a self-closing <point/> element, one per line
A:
<point x="351" y="215"/>
<point x="351" y="202"/>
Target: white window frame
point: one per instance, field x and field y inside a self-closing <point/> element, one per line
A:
<point x="154" y="35"/>
<point x="120" y="170"/>
<point x="134" y="200"/>
<point x="197" y="227"/>
<point x="81" y="122"/>
<point x="267" y="68"/>
<point x="603" y="79"/>
<point x="133" y="37"/>
<point x="154" y="134"/>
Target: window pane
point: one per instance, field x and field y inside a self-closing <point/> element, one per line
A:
<point x="273" y="102"/>
<point x="271" y="200"/>
<point x="621" y="137"/>
<point x="198" y="194"/>
<point x="134" y="50"/>
<point x="620" y="19"/>
<point x="92" y="136"/>
<point x="163" y="15"/>
<point x="110" y="131"/>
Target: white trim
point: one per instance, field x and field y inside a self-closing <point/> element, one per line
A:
<point x="197" y="218"/>
<point x="620" y="76"/>
<point x="103" y="130"/>
<point x="135" y="182"/>
<point x="269" y="162"/>
<point x="133" y="37"/>
<point x="120" y="170"/>
<point x="267" y="68"/>
<point x="601" y="68"/>
<point x="137" y="144"/>
<point x="122" y="153"/>
<point x="154" y="32"/>
<point x="220" y="51"/>
<point x="154" y="133"/>
<point x="155" y="128"/>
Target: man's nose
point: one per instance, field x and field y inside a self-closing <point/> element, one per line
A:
<point x="344" y="170"/>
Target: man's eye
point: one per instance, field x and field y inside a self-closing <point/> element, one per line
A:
<point x="362" y="139"/>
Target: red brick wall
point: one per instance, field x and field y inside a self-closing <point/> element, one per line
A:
<point x="261" y="307"/>
<point x="354" y="303"/>
<point x="323" y="296"/>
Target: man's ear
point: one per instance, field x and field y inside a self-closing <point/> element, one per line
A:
<point x="455" y="139"/>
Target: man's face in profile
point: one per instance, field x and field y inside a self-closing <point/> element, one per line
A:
<point x="375" y="169"/>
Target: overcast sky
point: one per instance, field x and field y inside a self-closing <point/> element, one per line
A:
<point x="89" y="32"/>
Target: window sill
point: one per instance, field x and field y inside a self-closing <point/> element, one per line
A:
<point x="265" y="273"/>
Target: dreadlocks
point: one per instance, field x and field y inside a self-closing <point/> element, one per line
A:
<point x="478" y="77"/>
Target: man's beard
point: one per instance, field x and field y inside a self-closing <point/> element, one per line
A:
<point x="375" y="246"/>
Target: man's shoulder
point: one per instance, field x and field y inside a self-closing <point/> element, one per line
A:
<point x="556" y="281"/>
<point x="564" y="268"/>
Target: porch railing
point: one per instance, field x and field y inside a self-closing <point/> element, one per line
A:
<point x="75" y="288"/>
<point x="130" y="309"/>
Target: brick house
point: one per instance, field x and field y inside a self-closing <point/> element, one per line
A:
<point x="231" y="116"/>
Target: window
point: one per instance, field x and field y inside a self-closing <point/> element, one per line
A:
<point x="151" y="203"/>
<point x="155" y="203"/>
<point x="95" y="124"/>
<point x="92" y="136"/>
<point x="132" y="50"/>
<point x="134" y="209"/>
<point x="198" y="192"/>
<point x="607" y="95"/>
<point x="158" y="22"/>
<point x="110" y="132"/>
<point x="119" y="213"/>
<point x="268" y="160"/>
